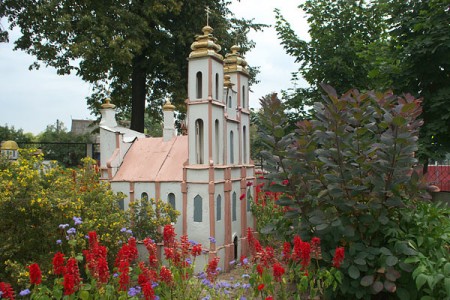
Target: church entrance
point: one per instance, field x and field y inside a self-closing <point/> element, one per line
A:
<point x="235" y="243"/>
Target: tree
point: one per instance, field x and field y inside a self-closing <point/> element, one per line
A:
<point x="343" y="33"/>
<point x="136" y="49"/>
<point x="11" y="134"/>
<point x="401" y="45"/>
<point x="420" y="35"/>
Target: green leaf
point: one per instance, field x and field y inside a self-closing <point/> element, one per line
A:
<point x="268" y="229"/>
<point x="367" y="280"/>
<point x="390" y="286"/>
<point x="360" y="261"/>
<point x="420" y="280"/>
<point x="385" y="251"/>
<point x="84" y="295"/>
<point x="377" y="287"/>
<point x="391" y="261"/>
<point x="399" y="121"/>
<point x="322" y="227"/>
<point x="447" y="269"/>
<point x="403" y="294"/>
<point x="353" y="272"/>
<point x="447" y="286"/>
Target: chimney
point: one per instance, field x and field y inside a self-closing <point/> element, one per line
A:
<point x="169" y="122"/>
<point x="108" y="114"/>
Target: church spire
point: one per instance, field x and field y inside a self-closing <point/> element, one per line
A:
<point x="206" y="45"/>
<point x="234" y="61"/>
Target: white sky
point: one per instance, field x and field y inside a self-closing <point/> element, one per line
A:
<point x="31" y="100"/>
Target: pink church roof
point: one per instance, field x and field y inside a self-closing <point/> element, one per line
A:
<point x="152" y="159"/>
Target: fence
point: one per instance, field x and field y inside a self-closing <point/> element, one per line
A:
<point x="68" y="154"/>
<point x="439" y="174"/>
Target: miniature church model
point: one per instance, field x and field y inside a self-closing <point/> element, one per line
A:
<point x="204" y="173"/>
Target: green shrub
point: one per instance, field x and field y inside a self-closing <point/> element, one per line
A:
<point x="349" y="171"/>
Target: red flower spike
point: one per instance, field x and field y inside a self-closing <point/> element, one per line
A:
<point x="211" y="269"/>
<point x="71" y="276"/>
<point x="197" y="250"/>
<point x="286" y="251"/>
<point x="124" y="276"/>
<point x="7" y="291"/>
<point x="278" y="271"/>
<point x="35" y="274"/>
<point x="269" y="298"/>
<point x="58" y="263"/>
<point x="261" y="287"/>
<point x="165" y="275"/>
<point x="338" y="258"/>
<point x="169" y="235"/>
<point x="285" y="182"/>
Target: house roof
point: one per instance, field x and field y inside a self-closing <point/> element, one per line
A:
<point x="152" y="159"/>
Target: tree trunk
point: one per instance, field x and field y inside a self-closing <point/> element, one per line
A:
<point x="138" y="93"/>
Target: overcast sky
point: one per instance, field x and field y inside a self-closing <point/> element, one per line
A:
<point x="31" y="100"/>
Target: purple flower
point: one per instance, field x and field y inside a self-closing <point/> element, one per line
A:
<point x="246" y="285"/>
<point x="201" y="275"/>
<point x="71" y="231"/>
<point x="242" y="298"/>
<point x="129" y="232"/>
<point x="245" y="276"/>
<point x="232" y="262"/>
<point x="116" y="274"/>
<point x="63" y="226"/>
<point x="77" y="220"/>
<point x="188" y="260"/>
<point x="154" y="284"/>
<point x="245" y="261"/>
<point x="133" y="292"/>
<point x="25" y="292"/>
<point x="123" y="229"/>
<point x="59" y="242"/>
<point x="212" y="240"/>
<point x="193" y="243"/>
<point x="156" y="297"/>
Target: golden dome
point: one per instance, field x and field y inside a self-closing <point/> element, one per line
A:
<point x="227" y="81"/>
<point x="168" y="106"/>
<point x="205" y="45"/>
<point x="234" y="62"/>
<point x="10" y="145"/>
<point x="108" y="104"/>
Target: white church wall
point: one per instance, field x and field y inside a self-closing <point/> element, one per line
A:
<point x="198" y="175"/>
<point x="217" y="68"/>
<point x="175" y="188"/>
<point x="123" y="187"/>
<point x="198" y="231"/>
<point x="197" y="65"/>
<point x="144" y="187"/>
<point x="107" y="146"/>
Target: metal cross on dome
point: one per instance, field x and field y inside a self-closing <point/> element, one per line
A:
<point x="208" y="11"/>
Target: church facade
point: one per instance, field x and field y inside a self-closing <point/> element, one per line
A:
<point x="203" y="174"/>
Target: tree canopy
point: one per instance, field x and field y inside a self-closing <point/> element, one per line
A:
<point x="389" y="44"/>
<point x="136" y="50"/>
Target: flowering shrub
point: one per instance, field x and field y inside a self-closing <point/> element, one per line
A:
<point x="265" y="275"/>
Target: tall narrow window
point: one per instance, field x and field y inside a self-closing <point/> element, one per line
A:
<point x="244" y="141"/>
<point x="219" y="208"/>
<point x="231" y="147"/>
<point x="172" y="200"/>
<point x="199" y="143"/>
<point x="144" y="196"/>
<point x="198" y="208"/>
<point x="217" y="86"/>
<point x="243" y="96"/>
<point x="230" y="104"/>
<point x="233" y="207"/>
<point x="249" y="196"/>
<point x="199" y="85"/>
<point x="217" y="142"/>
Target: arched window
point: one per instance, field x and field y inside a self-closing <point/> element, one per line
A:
<point x="199" y="85"/>
<point x="172" y="200"/>
<point x="219" y="208"/>
<point x="198" y="203"/>
<point x="233" y="207"/>
<point x="244" y="141"/>
<point x="217" y="142"/>
<point x="217" y="86"/>
<point x="249" y="196"/>
<point x="243" y="96"/>
<point x="199" y="143"/>
<point x="230" y="104"/>
<point x="144" y="196"/>
<point x="231" y="147"/>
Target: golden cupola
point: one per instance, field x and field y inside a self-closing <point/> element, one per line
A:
<point x="234" y="62"/>
<point x="205" y="45"/>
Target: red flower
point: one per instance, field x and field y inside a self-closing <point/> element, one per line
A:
<point x="103" y="270"/>
<point x="286" y="251"/>
<point x="128" y="252"/>
<point x="242" y="197"/>
<point x="338" y="258"/>
<point x="278" y="271"/>
<point x="168" y="253"/>
<point x="165" y="275"/>
<point x="58" y="263"/>
<point x="261" y="287"/>
<point x="151" y="248"/>
<point x="147" y="290"/>
<point x="211" y="269"/>
<point x="35" y="274"/>
<point x="315" y="241"/>
<point x="285" y="182"/>
<point x="197" y="250"/>
<point x="269" y="298"/>
<point x="71" y="276"/>
<point x="93" y="241"/>
<point x="7" y="291"/>
<point x="315" y="247"/>
<point x="260" y="269"/>
<point x="124" y="276"/>
<point x="249" y="183"/>
<point x="169" y="235"/>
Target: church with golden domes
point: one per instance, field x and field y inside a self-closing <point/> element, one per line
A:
<point x="203" y="173"/>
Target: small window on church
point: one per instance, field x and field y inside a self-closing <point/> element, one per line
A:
<point x="219" y="208"/>
<point x="249" y="196"/>
<point x="121" y="204"/>
<point x="198" y="208"/>
<point x="243" y="96"/>
<point x="144" y="196"/>
<point x="217" y="86"/>
<point x="217" y="144"/>
<point x="244" y="141"/>
<point x="230" y="104"/>
<point x="231" y="147"/>
<point x="172" y="200"/>
<point x="233" y="207"/>
<point x="199" y="85"/>
<point x="199" y="144"/>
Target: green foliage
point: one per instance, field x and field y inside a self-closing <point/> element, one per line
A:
<point x="11" y="134"/>
<point x="137" y="50"/>
<point x="35" y="198"/>
<point x="147" y="216"/>
<point x="427" y="230"/>
<point x="350" y="169"/>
